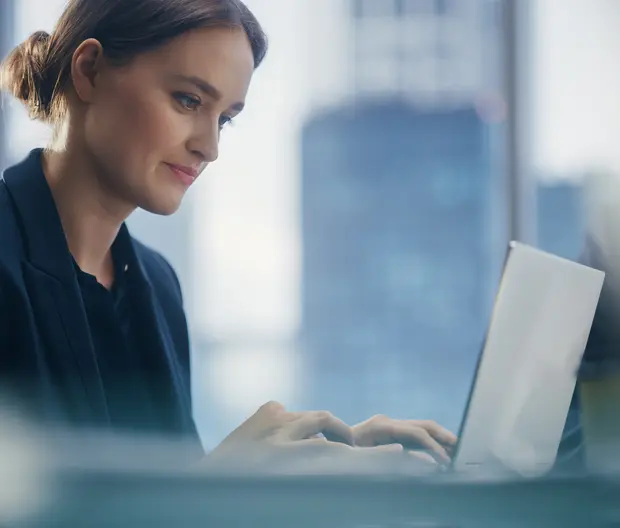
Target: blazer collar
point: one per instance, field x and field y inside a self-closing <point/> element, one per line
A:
<point x="46" y="244"/>
<point x="45" y="240"/>
<point x="47" y="251"/>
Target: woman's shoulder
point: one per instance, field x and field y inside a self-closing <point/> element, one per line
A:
<point x="11" y="252"/>
<point x="10" y="235"/>
<point x="24" y="202"/>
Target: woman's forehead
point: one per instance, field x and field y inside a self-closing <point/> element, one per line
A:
<point x="218" y="59"/>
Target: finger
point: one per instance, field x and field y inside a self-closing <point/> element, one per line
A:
<point x="419" y="464"/>
<point x="422" y="457"/>
<point x="272" y="407"/>
<point x="320" y="422"/>
<point x="439" y="433"/>
<point x="388" y="449"/>
<point x="415" y="437"/>
<point x="323" y="424"/>
<point x="323" y="447"/>
<point x="287" y="455"/>
<point x="316" y="447"/>
<point x="320" y="456"/>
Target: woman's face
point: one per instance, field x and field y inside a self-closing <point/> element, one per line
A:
<point x="152" y="127"/>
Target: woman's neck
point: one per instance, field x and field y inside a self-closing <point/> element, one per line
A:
<point x="90" y="214"/>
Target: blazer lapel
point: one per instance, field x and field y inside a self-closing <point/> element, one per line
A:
<point x="164" y="349"/>
<point x="54" y="290"/>
<point x="155" y="330"/>
<point x="166" y="363"/>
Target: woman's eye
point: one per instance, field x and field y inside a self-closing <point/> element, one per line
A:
<point x="187" y="101"/>
<point x="224" y="120"/>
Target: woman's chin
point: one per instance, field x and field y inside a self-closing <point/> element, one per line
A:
<point x="163" y="207"/>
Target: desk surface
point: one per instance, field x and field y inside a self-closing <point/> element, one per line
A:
<point x="138" y="483"/>
<point x="114" y="498"/>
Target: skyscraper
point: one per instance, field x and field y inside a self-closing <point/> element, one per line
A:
<point x="561" y="217"/>
<point x="396" y="214"/>
<point x="432" y="52"/>
<point x="396" y="257"/>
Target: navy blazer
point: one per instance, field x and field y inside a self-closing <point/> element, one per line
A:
<point x="47" y="357"/>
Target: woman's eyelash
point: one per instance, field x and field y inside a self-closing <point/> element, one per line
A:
<point x="191" y="102"/>
<point x="225" y="120"/>
<point x="188" y="101"/>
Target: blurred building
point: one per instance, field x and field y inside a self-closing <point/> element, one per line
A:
<point x="397" y="216"/>
<point x="433" y="52"/>
<point x="397" y="256"/>
<point x="561" y="217"/>
<point x="6" y="42"/>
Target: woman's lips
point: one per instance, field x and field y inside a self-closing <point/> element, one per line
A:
<point x="187" y="175"/>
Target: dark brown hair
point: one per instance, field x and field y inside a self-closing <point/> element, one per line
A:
<point x="37" y="72"/>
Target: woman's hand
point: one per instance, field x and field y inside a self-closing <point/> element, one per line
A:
<point x="274" y="436"/>
<point x="414" y="435"/>
<point x="275" y="440"/>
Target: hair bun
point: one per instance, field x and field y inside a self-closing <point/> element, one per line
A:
<point x="38" y="38"/>
<point x="25" y="74"/>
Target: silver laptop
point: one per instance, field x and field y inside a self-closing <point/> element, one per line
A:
<point x="527" y="369"/>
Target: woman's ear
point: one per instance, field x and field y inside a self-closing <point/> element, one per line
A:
<point x="86" y="64"/>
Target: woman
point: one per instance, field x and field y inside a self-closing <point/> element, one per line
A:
<point x="92" y="325"/>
